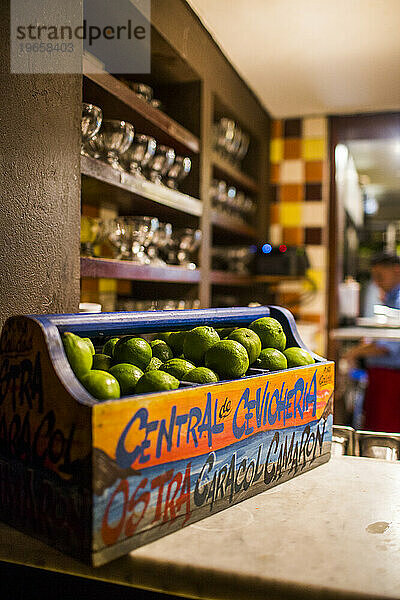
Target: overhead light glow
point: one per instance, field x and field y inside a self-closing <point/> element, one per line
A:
<point x="370" y="205"/>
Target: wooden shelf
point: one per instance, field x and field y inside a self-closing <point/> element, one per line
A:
<point x="233" y="224"/>
<point x="157" y="194"/>
<point x="226" y="278"/>
<point x="156" y="117"/>
<point x="124" y="269"/>
<point x="223" y="168"/>
<point x="236" y="279"/>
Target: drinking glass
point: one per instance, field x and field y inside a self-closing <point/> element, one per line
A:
<point x="91" y="119"/>
<point x="143" y="90"/>
<point x="112" y="140"/>
<point x="243" y="147"/>
<point x="160" y="245"/>
<point x="138" y="154"/>
<point x="224" y="131"/>
<point x="187" y="242"/>
<point x="160" y="163"/>
<point x="142" y="232"/>
<point x="179" y="170"/>
<point x="119" y="235"/>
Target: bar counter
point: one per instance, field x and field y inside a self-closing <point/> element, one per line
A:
<point x="333" y="532"/>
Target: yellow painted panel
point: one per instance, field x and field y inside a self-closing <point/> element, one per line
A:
<point x="314" y="149"/>
<point x="276" y="150"/>
<point x="107" y="285"/>
<point x="290" y="214"/>
<point x="317" y="276"/>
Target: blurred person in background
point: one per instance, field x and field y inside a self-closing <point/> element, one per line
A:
<point x="382" y="357"/>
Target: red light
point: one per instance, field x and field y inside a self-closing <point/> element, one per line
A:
<point x="282" y="248"/>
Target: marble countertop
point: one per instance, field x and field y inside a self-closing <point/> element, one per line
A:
<point x="357" y="333"/>
<point x="333" y="532"/>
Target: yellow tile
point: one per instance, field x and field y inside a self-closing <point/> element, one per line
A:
<point x="276" y="150"/>
<point x="290" y="214"/>
<point x="314" y="149"/>
<point x="107" y="285"/>
<point x="318" y="278"/>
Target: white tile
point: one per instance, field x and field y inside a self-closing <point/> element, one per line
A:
<point x="317" y="305"/>
<point x="314" y="214"/>
<point x="275" y="234"/>
<point x="315" y="127"/>
<point x="317" y="255"/>
<point x="291" y="287"/>
<point x="292" y="171"/>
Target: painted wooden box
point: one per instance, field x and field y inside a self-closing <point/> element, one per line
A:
<point x="98" y="479"/>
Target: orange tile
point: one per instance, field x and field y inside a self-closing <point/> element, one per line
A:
<point x="89" y="290"/>
<point x="90" y="211"/>
<point x="292" y="148"/>
<point x="276" y="128"/>
<point x="293" y="236"/>
<point x="274" y="173"/>
<point x="311" y="318"/>
<point x="292" y="192"/>
<point x="274" y="214"/>
<point x="314" y="171"/>
<point x="89" y="285"/>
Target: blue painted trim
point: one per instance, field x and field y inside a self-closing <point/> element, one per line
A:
<point x="123" y="323"/>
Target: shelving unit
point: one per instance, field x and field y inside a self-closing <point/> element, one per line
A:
<point x="231" y="224"/>
<point x="225" y="170"/>
<point x="120" y="91"/>
<point x="237" y="279"/>
<point x="123" y="269"/>
<point x="190" y="85"/>
<point x="156" y="195"/>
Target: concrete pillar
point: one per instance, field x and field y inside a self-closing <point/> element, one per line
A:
<point x="39" y="188"/>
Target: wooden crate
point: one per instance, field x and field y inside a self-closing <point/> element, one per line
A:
<point x="97" y="479"/>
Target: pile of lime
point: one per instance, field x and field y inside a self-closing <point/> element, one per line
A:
<point x="131" y="365"/>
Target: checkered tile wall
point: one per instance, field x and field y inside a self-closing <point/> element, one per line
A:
<point x="299" y="208"/>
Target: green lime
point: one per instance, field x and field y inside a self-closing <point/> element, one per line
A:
<point x="227" y="358"/>
<point x="201" y="375"/>
<point x="224" y="332"/>
<point x="161" y="350"/>
<point x="175" y="342"/>
<point x="272" y="359"/>
<point x="197" y="342"/>
<point x="270" y="332"/>
<point x="133" y="350"/>
<point x="78" y="352"/>
<point x="108" y="347"/>
<point x="90" y="344"/>
<point x="127" y="376"/>
<point x="177" y="367"/>
<point x="102" y="362"/>
<point x="164" y="336"/>
<point x="156" y="381"/>
<point x="154" y="364"/>
<point x="101" y="385"/>
<point x="249" y="339"/>
<point x="297" y="357"/>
